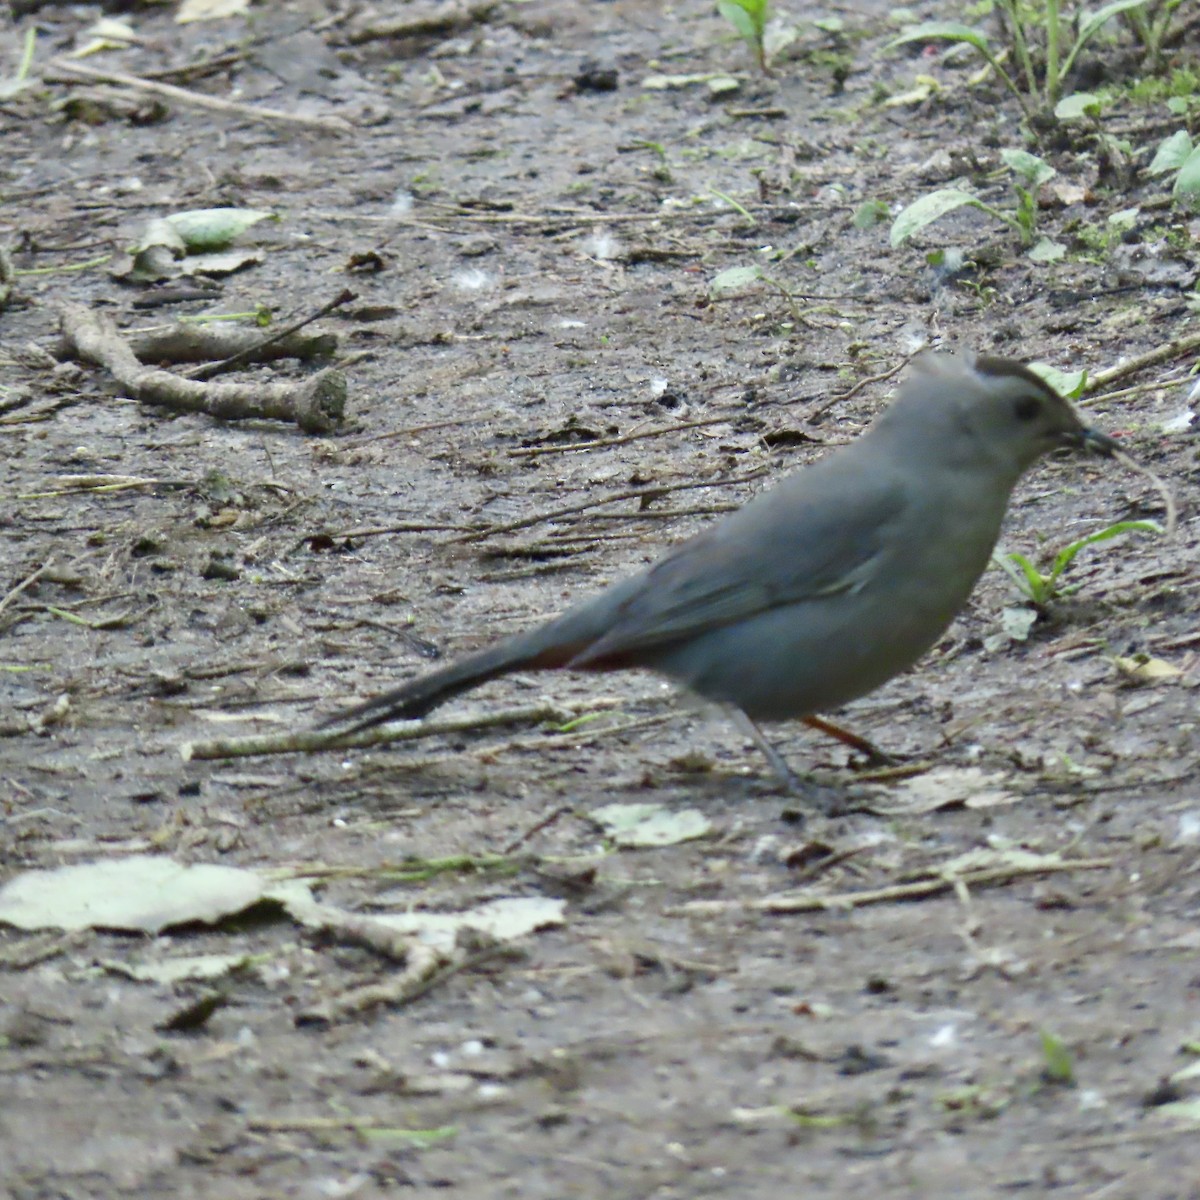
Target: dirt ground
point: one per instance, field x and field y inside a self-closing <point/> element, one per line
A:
<point x="542" y="394"/>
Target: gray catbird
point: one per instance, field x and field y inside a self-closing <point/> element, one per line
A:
<point x="822" y="588"/>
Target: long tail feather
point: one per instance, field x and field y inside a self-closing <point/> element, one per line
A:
<point x="420" y="696"/>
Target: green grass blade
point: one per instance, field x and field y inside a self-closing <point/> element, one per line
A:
<point x="1091" y="24"/>
<point x="948" y="31"/>
<point x="1067" y="554"/>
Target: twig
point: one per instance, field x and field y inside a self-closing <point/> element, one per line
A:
<point x="316" y="405"/>
<point x="817" y="411"/>
<point x="585" y="736"/>
<point x="650" y="514"/>
<point x="1139" y="389"/>
<point x="309" y="740"/>
<point x="623" y="439"/>
<point x="568" y="217"/>
<point x="411" y="431"/>
<point x="199" y="100"/>
<point x="1131" y="366"/>
<point x="345" y="296"/>
<point x="120" y="620"/>
<point x="360" y="1127"/>
<point x="198" y="70"/>
<point x="561" y="811"/>
<point x="365" y="531"/>
<point x="646" y="493"/>
<point x="424" y="965"/>
<point x="27" y="582"/>
<point x="1160" y="486"/>
<point x="73" y="485"/>
<point x="64" y="268"/>
<point x="785" y="902"/>
<point x="813" y="870"/>
<point x="206" y="343"/>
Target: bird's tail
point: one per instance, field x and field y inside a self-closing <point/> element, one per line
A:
<point x="420" y="696"/>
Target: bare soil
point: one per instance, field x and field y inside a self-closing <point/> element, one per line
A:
<point x="532" y="334"/>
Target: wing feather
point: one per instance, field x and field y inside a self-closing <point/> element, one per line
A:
<point x="731" y="572"/>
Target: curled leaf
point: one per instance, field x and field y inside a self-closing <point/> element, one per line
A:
<point x="215" y="228"/>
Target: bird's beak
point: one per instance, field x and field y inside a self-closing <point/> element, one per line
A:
<point x="1091" y="441"/>
<point x="1097" y="442"/>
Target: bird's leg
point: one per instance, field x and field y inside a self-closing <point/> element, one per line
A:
<point x="790" y="780"/>
<point x="874" y="756"/>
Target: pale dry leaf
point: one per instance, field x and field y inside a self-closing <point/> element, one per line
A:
<point x="209" y="10"/>
<point x="144" y="893"/>
<point x="650" y="824"/>
<point x="948" y="787"/>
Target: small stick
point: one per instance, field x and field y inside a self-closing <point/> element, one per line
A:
<point x="380" y="735"/>
<point x="1139" y="389"/>
<point x="206" y="343"/>
<point x="410" y="431"/>
<point x="27" y="582"/>
<point x="561" y="811"/>
<point x="623" y="439"/>
<point x="819" y="410"/>
<point x="199" y="100"/>
<point x="73" y="485"/>
<point x="1165" y="492"/>
<point x="566" y="218"/>
<point x="345" y="296"/>
<point x="429" y="968"/>
<point x="646" y="493"/>
<point x="365" y="531"/>
<point x="316" y="404"/>
<point x="784" y="902"/>
<point x="1131" y="366"/>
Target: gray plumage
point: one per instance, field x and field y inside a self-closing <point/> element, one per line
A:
<point x="823" y="587"/>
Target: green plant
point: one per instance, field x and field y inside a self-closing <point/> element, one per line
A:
<point x="1100" y="239"/>
<point x="869" y="213"/>
<point x="749" y="18"/>
<point x="1180" y="90"/>
<point x="1180" y="154"/>
<point x="1151" y="23"/>
<point x="1057" y="1065"/>
<point x="1025" y="25"/>
<point x="1029" y="173"/>
<point x="735" y="280"/>
<point x="1042" y="589"/>
<point x="20" y="80"/>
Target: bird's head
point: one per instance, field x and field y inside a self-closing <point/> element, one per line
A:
<point x="995" y="408"/>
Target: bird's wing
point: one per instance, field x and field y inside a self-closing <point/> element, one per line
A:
<point x="733" y="572"/>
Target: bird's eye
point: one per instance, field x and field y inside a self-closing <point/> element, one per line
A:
<point x="1027" y="407"/>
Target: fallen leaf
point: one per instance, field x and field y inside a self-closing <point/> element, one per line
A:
<point x="650" y="824"/>
<point x="1142" y="669"/>
<point x="209" y="10"/>
<point x="177" y="970"/>
<point x="948" y="787"/>
<point x="1066" y="192"/>
<point x="146" y="893"/>
<point x="504" y="920"/>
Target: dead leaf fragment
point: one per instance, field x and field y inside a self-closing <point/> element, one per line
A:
<point x="948" y="787"/>
<point x="650" y="824"/>
<point x="145" y="893"/>
<point x="209" y="10"/>
<point x="1142" y="669"/>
